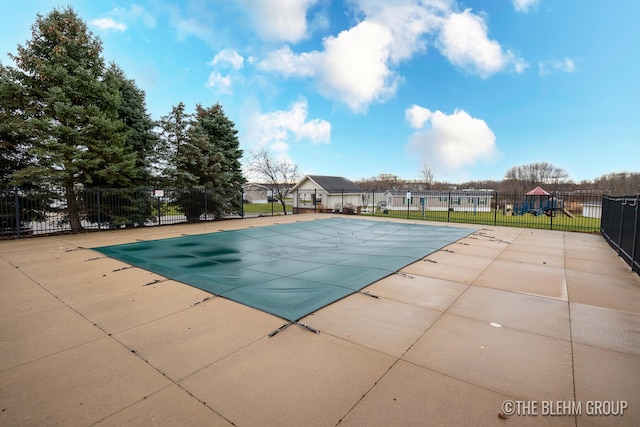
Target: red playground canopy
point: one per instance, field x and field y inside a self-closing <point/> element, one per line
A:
<point x="538" y="191"/>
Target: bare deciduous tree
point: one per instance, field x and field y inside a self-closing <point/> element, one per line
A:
<point x="525" y="177"/>
<point x="383" y="181"/>
<point x="619" y="183"/>
<point x="280" y="173"/>
<point x="427" y="176"/>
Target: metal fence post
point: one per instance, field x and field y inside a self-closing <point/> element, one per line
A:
<point x="449" y="207"/>
<point x="552" y="209"/>
<point x="17" y="203"/>
<point x="373" y="202"/>
<point x="622" y="205"/>
<point x="98" y="207"/>
<point x="495" y="211"/>
<point x="635" y="236"/>
<point x="408" y="201"/>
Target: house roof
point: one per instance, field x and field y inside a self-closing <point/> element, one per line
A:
<point x="333" y="184"/>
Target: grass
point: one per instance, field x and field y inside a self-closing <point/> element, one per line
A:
<point x="558" y="222"/>
<point x="264" y="208"/>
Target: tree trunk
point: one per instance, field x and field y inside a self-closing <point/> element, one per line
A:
<point x="284" y="206"/>
<point x="72" y="208"/>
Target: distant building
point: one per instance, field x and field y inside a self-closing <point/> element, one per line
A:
<point x="435" y="200"/>
<point x="254" y="192"/>
<point x="326" y="193"/>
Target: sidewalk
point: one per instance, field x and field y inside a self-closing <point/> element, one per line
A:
<point x="546" y="319"/>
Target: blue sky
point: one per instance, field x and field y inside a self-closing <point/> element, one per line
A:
<point x="361" y="87"/>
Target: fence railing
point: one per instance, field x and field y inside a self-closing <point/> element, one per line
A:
<point x="621" y="227"/>
<point x="554" y="211"/>
<point x="46" y="211"/>
<point x="37" y="212"/>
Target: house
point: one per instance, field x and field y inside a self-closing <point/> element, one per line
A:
<point x="435" y="200"/>
<point x="326" y="194"/>
<point x="254" y="192"/>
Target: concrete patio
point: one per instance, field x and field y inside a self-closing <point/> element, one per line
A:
<point x="543" y="319"/>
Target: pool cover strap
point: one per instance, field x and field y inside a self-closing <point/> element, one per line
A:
<point x="289" y="270"/>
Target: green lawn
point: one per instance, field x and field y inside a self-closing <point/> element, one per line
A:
<point x="264" y="208"/>
<point x="557" y="222"/>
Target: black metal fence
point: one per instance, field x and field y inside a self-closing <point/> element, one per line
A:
<point x="38" y="212"/>
<point x="621" y="227"/>
<point x="554" y="211"/>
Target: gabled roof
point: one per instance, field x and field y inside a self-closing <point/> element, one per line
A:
<point x="333" y="184"/>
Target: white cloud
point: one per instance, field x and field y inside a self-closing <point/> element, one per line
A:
<point x="219" y="83"/>
<point x="108" y="24"/>
<point x="464" y="41"/>
<point x="352" y="68"/>
<point x="450" y="142"/>
<point x="135" y="12"/>
<point x="525" y="5"/>
<point x="287" y="63"/>
<point x="228" y="56"/>
<point x="279" y="20"/>
<point x="358" y="66"/>
<point x="417" y="116"/>
<point x="277" y="129"/>
<point x="407" y="20"/>
<point x="565" y="65"/>
<point x="224" y="59"/>
<point x="196" y="26"/>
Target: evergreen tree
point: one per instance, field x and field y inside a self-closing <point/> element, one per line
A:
<point x="133" y="206"/>
<point x="13" y="141"/>
<point x="69" y="113"/>
<point x="138" y="125"/>
<point x="203" y="158"/>
<point x="174" y="134"/>
<point x="221" y="169"/>
<point x="17" y="208"/>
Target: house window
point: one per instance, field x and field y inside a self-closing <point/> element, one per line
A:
<point x="304" y="198"/>
<point x="455" y="200"/>
<point x="443" y="199"/>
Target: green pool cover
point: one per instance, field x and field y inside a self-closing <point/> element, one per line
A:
<point x="289" y="270"/>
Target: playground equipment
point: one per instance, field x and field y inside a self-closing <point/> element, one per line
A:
<point x="540" y="202"/>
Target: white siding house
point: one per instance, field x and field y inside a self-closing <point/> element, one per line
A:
<point x="460" y="200"/>
<point x="326" y="193"/>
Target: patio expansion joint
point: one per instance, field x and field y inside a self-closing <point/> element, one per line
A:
<point x="402" y="355"/>
<point x="573" y="363"/>
<point x="173" y="381"/>
<point x="488" y="265"/>
<point x="158" y="391"/>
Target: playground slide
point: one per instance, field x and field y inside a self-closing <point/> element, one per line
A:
<point x="566" y="212"/>
<point x="563" y="210"/>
